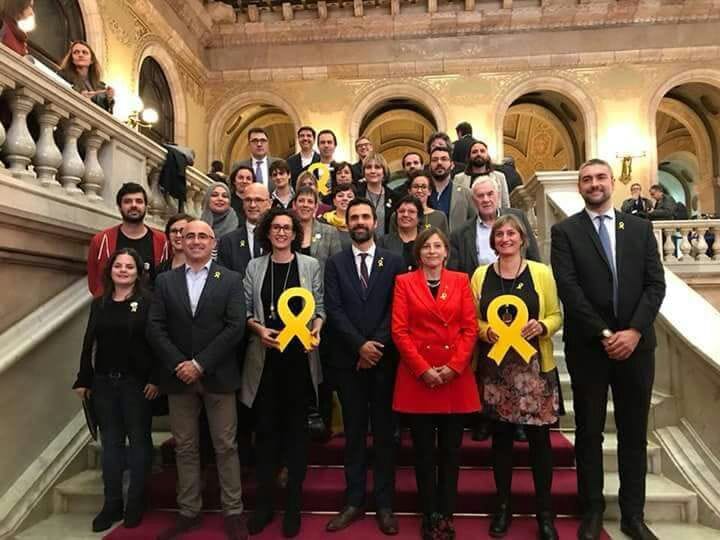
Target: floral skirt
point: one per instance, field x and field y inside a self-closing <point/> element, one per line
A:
<point x="519" y="392"/>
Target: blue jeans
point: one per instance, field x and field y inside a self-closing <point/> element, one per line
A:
<point x="123" y="413"/>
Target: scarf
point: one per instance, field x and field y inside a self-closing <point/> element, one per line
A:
<point x="223" y="223"/>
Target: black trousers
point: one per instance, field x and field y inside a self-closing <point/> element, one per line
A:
<point x="540" y="461"/>
<point x="631" y="380"/>
<point x="437" y="464"/>
<point x="367" y="394"/>
<point x="281" y="434"/>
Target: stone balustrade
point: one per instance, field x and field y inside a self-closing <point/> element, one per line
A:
<point x="52" y="137"/>
<point x="689" y="242"/>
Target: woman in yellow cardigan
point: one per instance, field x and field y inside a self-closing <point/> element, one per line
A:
<point x="518" y="312"/>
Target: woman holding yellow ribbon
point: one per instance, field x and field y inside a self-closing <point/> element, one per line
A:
<point x="282" y="365"/>
<point x="518" y="312"/>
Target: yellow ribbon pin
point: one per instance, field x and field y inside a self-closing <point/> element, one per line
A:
<point x="296" y="325"/>
<point x="509" y="335"/>
<point x="323" y="177"/>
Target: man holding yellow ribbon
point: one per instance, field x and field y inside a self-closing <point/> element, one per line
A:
<point x="518" y="312"/>
<point x="284" y="299"/>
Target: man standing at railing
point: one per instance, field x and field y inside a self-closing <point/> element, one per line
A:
<point x="611" y="282"/>
<point x="637" y="205"/>
<point x="131" y="233"/>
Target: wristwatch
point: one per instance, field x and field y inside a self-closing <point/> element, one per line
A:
<point x="606" y="333"/>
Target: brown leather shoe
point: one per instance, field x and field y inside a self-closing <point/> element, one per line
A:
<point x="182" y="525"/>
<point x="236" y="527"/>
<point x="345" y="518"/>
<point x="387" y="522"/>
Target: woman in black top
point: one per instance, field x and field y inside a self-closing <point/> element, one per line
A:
<point x="402" y="240"/>
<point x="117" y="368"/>
<point x="173" y="233"/>
<point x="81" y="68"/>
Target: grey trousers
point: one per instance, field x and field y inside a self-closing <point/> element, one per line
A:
<point x="222" y="418"/>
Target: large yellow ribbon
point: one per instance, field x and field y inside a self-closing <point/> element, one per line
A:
<point x="509" y="334"/>
<point x="323" y="184"/>
<point x="296" y="325"/>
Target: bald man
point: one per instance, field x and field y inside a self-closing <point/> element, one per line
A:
<point x="196" y="321"/>
<point x="237" y="248"/>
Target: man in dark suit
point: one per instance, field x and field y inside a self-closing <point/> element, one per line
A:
<point x="465" y="139"/>
<point x="306" y="156"/>
<point x="611" y="282"/>
<point x="196" y="320"/>
<point x="259" y="161"/>
<point x="358" y="292"/>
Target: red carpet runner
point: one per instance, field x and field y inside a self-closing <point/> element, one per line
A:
<point x="324" y="485"/>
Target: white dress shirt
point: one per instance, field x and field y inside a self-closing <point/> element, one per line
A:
<point x="263" y="166"/>
<point x="609" y="225"/>
<point x="251" y="237"/>
<point x="368" y="260"/>
<point x="485" y="254"/>
<point x="195" y="284"/>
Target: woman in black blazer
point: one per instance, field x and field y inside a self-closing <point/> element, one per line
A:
<point x="118" y="371"/>
<point x="402" y="240"/>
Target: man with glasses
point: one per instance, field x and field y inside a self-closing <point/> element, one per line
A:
<point x="363" y="147"/>
<point x="259" y="160"/>
<point x="454" y="201"/>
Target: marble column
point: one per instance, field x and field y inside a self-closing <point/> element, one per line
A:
<point x="157" y="205"/>
<point x="19" y="146"/>
<point x="94" y="177"/>
<point x="5" y="84"/>
<point x="72" y="168"/>
<point x="48" y="157"/>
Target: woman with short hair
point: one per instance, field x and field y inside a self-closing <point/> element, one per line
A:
<point x="402" y="241"/>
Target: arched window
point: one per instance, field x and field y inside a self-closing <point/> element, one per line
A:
<point x="155" y="93"/>
<point x="59" y="23"/>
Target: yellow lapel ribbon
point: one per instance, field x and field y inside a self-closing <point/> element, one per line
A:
<point x="509" y="335"/>
<point x="296" y="325"/>
<point x="323" y="184"/>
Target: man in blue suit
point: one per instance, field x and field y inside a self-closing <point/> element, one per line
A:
<point x="359" y="285"/>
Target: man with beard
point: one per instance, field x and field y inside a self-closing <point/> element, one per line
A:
<point x="131" y="233"/>
<point x="480" y="164"/>
<point x="359" y="285"/>
<point x="363" y="147"/>
<point x="454" y="201"/>
<point x="609" y="341"/>
<point x="306" y="156"/>
<point x="440" y="139"/>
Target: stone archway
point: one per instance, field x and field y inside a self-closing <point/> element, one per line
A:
<point x="562" y="86"/>
<point x="94" y="29"/>
<point x="157" y="51"/>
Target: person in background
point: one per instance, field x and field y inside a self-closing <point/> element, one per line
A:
<point x="119" y="373"/>
<point x="384" y="199"/>
<point x="327" y="143"/>
<point x="131" y="233"/>
<point x="363" y="147"/>
<point x="299" y="162"/>
<point x="216" y="210"/>
<point x="512" y="176"/>
<point x="637" y="205"/>
<point x="173" y="233"/>
<point x="664" y="207"/>
<point x="419" y="185"/>
<point x="283" y="194"/>
<point x="479" y="165"/>
<point x="18" y="18"/>
<point x="412" y="162"/>
<point x="276" y="383"/>
<point x="240" y="178"/>
<point x="342" y="195"/>
<point x="455" y="201"/>
<point x="308" y="179"/>
<point x="216" y="171"/>
<point x="434" y="329"/>
<point x="259" y="161"/>
<point x="81" y="68"/>
<point x="402" y="242"/>
<point x="519" y="390"/>
<point x="463" y="143"/>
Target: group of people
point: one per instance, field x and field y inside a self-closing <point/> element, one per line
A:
<point x="660" y="206"/>
<point x="429" y="304"/>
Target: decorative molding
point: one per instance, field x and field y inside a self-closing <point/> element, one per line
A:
<point x="19" y="501"/>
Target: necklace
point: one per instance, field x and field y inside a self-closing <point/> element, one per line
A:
<point x="505" y="315"/>
<point x="272" y="286"/>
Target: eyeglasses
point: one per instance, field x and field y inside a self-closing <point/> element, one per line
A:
<point x="278" y="228"/>
<point x="421" y="187"/>
<point x="176" y="231"/>
<point x="258" y="141"/>
<point x="203" y="237"/>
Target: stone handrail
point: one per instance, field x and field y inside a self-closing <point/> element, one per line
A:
<point x="692" y="241"/>
<point x="96" y="152"/>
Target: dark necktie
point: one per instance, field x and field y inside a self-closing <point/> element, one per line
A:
<point x="364" y="277"/>
<point x="607" y="248"/>
<point x="257" y="249"/>
<point x="259" y="172"/>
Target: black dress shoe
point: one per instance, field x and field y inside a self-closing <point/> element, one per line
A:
<point x="236" y="527"/>
<point x="260" y="519"/>
<point x="387" y="522"/>
<point x="481" y="431"/>
<point x="291" y="523"/>
<point x="182" y="525"/>
<point x="345" y="518"/>
<point x="590" y="527"/>
<point x="428" y="526"/>
<point x="108" y="516"/>
<point x="500" y="521"/>
<point x="636" y="529"/>
<point x="546" y="527"/>
<point x="519" y="434"/>
<point x="133" y="514"/>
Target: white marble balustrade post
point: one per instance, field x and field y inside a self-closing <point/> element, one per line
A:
<point x="48" y="157"/>
<point x="669" y="244"/>
<point x="5" y="84"/>
<point x="19" y="146"/>
<point x="157" y="204"/>
<point x="93" y="180"/>
<point x="197" y="199"/>
<point x="716" y="244"/>
<point x="72" y="168"/>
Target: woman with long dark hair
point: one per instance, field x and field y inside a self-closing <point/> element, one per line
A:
<point x="81" y="68"/>
<point x="174" y="234"/>
<point x="119" y="373"/>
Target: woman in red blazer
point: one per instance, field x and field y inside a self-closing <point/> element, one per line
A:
<point x="434" y="329"/>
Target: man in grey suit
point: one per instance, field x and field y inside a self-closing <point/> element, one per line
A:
<point x="259" y="160"/>
<point x="455" y="201"/>
<point x="196" y="320"/>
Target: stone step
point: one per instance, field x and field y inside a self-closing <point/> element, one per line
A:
<point x="610" y="453"/>
<point x="567" y="422"/>
<point x="666" y="500"/>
